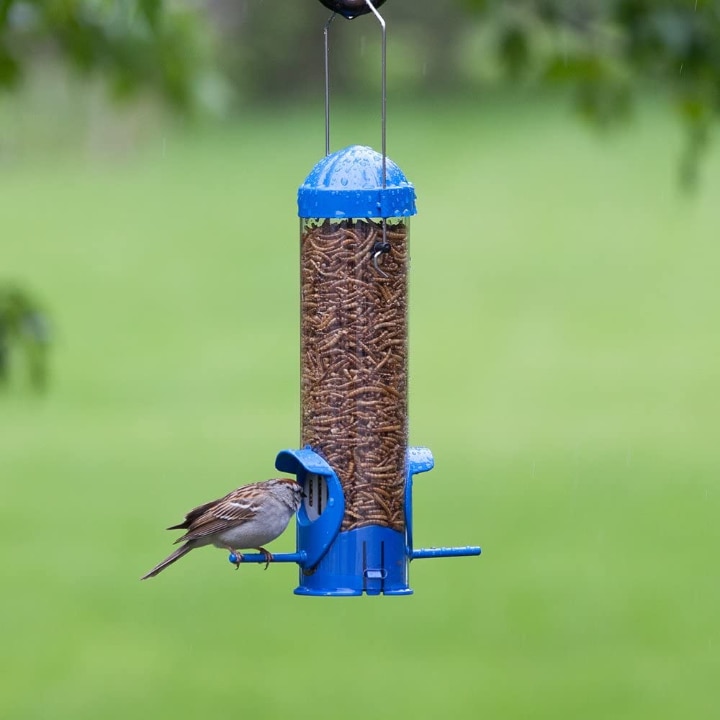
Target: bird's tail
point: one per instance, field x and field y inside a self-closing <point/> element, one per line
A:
<point x="169" y="560"/>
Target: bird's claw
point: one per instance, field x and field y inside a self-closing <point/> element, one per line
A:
<point x="268" y="557"/>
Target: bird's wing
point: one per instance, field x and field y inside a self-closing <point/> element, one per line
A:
<point x="194" y="514"/>
<point x="233" y="509"/>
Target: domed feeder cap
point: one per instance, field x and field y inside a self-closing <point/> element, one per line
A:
<point x="349" y="184"/>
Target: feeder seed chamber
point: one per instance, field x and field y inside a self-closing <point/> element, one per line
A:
<point x="354" y="529"/>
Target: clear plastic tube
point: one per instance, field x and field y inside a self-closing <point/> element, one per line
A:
<point x="354" y="360"/>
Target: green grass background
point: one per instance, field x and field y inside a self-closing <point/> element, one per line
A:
<point x="565" y="364"/>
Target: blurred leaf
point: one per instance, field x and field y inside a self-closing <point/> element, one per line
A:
<point x="476" y="5"/>
<point x="9" y="68"/>
<point x="574" y="68"/>
<point x="513" y="49"/>
<point x="4" y="11"/>
<point x="24" y="331"/>
<point x="694" y="109"/>
<point x="152" y="10"/>
<point x="604" y="103"/>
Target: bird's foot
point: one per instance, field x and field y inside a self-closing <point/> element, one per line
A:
<point x="235" y="558"/>
<point x="268" y="556"/>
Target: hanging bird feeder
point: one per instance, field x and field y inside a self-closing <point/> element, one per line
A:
<point x="354" y="529"/>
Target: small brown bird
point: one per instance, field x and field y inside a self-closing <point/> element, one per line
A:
<point x="248" y="517"/>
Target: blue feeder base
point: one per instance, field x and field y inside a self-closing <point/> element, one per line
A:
<point x="369" y="560"/>
<point x="372" y="560"/>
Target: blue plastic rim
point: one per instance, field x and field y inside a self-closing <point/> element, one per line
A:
<point x="349" y="184"/>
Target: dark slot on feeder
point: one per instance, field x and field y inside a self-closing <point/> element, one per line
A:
<point x="382" y="563"/>
<point x="354" y="362"/>
<point x="316" y="496"/>
<point x="364" y="565"/>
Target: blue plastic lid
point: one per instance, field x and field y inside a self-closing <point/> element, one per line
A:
<point x="348" y="184"/>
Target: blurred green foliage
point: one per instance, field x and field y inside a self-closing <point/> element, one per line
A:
<point x="607" y="51"/>
<point x="610" y="49"/>
<point x="134" y="44"/>
<point x="24" y="336"/>
<point x="603" y="47"/>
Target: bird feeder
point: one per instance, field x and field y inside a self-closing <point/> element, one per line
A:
<point x="354" y="528"/>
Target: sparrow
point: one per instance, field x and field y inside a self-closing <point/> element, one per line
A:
<point x="249" y="517"/>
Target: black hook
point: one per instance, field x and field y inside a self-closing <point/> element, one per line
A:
<point x="350" y="8"/>
<point x="379" y="249"/>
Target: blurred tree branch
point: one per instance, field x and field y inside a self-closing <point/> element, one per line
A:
<point x="134" y="44"/>
<point x="607" y="49"/>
